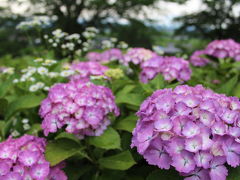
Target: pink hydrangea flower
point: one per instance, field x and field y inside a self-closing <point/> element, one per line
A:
<point x="170" y="67"/>
<point x="105" y="56"/>
<point x="227" y="48"/>
<point x="197" y="60"/>
<point x="137" y="56"/>
<point x="23" y="158"/>
<point x="87" y="69"/>
<point x="193" y="129"/>
<point x="80" y="106"/>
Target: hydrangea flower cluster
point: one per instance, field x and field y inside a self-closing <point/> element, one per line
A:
<point x="192" y="129"/>
<point x="105" y="56"/>
<point x="87" y="69"/>
<point x="197" y="60"/>
<point x="137" y="56"/>
<point x="23" y="158"/>
<point x="219" y="49"/>
<point x="170" y="67"/>
<point x="224" y="49"/>
<point x="80" y="105"/>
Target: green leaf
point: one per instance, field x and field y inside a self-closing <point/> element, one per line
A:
<point x="24" y="102"/>
<point x="121" y="161"/>
<point x="234" y="174"/>
<point x="127" y="124"/>
<point x="158" y="82"/>
<point x="163" y="174"/>
<point x="3" y="106"/>
<point x="126" y="90"/>
<point x="61" y="149"/>
<point x="131" y="99"/>
<point x="35" y="129"/>
<point x="110" y="139"/>
<point x="228" y="87"/>
<point x="67" y="136"/>
<point x="5" y="86"/>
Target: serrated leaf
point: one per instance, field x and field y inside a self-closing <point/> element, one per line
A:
<point x="61" y="149"/>
<point x="24" y="102"/>
<point x="121" y="161"/>
<point x="110" y="139"/>
<point x="127" y="124"/>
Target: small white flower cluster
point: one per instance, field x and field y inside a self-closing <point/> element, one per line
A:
<point x="60" y="39"/>
<point x="36" y="21"/>
<point x="35" y="78"/>
<point x="26" y="126"/>
<point x="112" y="43"/>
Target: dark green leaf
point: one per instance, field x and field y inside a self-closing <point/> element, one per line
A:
<point x="110" y="139"/>
<point x="163" y="174"/>
<point x="131" y="99"/>
<point x="3" y="106"/>
<point x="120" y="161"/>
<point x="61" y="149"/>
<point x="67" y="136"/>
<point x="127" y="124"/>
<point x="158" y="82"/>
<point x="35" y="129"/>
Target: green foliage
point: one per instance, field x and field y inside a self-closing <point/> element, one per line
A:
<point x="121" y="161"/>
<point x="110" y="139"/>
<point x="61" y="149"/>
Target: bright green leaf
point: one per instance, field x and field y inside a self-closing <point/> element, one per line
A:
<point x="5" y="86"/>
<point x="131" y="99"/>
<point x="158" y="82"/>
<point x="24" y="102"/>
<point x="110" y="139"/>
<point x="67" y="136"/>
<point x="127" y="124"/>
<point x="61" y="149"/>
<point x="121" y="161"/>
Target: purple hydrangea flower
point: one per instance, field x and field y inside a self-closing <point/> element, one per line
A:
<point x="81" y="106"/>
<point x="170" y="67"/>
<point x="227" y="48"/>
<point x="23" y="158"/>
<point x="137" y="56"/>
<point x="105" y="56"/>
<point x="193" y="129"/>
<point x="87" y="69"/>
<point x="197" y="60"/>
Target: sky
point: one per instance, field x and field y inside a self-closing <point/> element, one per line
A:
<point x="168" y="11"/>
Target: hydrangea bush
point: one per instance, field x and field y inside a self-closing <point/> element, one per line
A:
<point x="81" y="106"/>
<point x="193" y="129"/>
<point x="23" y="158"/>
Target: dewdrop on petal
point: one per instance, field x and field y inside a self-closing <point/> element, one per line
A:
<point x="203" y="132"/>
<point x="79" y="106"/>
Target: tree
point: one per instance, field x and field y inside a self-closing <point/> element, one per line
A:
<point x="218" y="20"/>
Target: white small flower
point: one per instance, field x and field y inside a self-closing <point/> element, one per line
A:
<point x="66" y="73"/>
<point x="15" y="81"/>
<point x="42" y="70"/>
<point x="32" y="79"/>
<point x="45" y="36"/>
<point x="50" y="40"/>
<point x="15" y="133"/>
<point x="33" y="88"/>
<point x="63" y="46"/>
<point x="25" y="121"/>
<point x="46" y="88"/>
<point x="26" y="126"/>
<point x="38" y="60"/>
<point x="53" y="74"/>
<point x="54" y="44"/>
<point x="40" y="85"/>
<point x="9" y="70"/>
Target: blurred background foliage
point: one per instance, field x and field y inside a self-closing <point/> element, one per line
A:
<point x="120" y="19"/>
